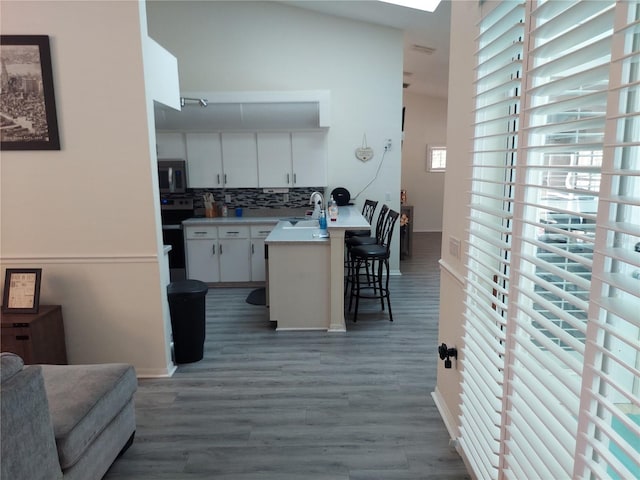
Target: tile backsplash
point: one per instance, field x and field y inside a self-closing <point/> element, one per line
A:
<point x="255" y="198"/>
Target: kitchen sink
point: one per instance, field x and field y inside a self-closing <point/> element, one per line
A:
<point x="301" y="224"/>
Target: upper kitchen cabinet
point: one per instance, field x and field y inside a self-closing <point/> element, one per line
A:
<point x="170" y="145"/>
<point x="309" y="158"/>
<point x="204" y="160"/>
<point x="292" y="159"/>
<point x="240" y="160"/>
<point x="274" y="159"/>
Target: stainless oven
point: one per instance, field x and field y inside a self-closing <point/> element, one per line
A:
<point x="173" y="212"/>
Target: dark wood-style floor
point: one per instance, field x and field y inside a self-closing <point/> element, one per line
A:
<point x="303" y="405"/>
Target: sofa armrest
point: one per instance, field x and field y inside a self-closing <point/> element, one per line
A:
<point x="28" y="448"/>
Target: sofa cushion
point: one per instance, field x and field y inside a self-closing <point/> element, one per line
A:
<point x="83" y="399"/>
<point x="10" y="364"/>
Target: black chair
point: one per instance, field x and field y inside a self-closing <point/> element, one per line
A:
<point x="362" y="240"/>
<point x="376" y="255"/>
<point x="368" y="210"/>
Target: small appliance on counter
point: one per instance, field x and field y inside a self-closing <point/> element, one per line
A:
<point x="341" y="196"/>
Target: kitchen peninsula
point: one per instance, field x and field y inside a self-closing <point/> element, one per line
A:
<point x="306" y="273"/>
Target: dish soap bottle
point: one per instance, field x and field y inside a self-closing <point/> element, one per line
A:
<point x="333" y="210"/>
<point x="323" y="223"/>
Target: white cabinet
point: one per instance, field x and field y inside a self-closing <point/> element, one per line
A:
<point x="309" y="158"/>
<point x="170" y="145"/>
<point x="240" y="160"/>
<point x="204" y="160"/>
<point x="235" y="261"/>
<point x="258" y="262"/>
<point x="274" y="159"/>
<point x="202" y="253"/>
<point x="296" y="159"/>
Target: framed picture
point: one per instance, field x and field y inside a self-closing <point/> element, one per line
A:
<point x="21" y="290"/>
<point x="27" y="102"/>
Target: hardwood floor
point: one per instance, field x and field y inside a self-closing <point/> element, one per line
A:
<point x="303" y="406"/>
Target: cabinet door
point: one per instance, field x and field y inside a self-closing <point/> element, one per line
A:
<point x="170" y="145"/>
<point x="274" y="159"/>
<point x="309" y="153"/>
<point x="202" y="260"/>
<point x="258" y="262"/>
<point x="235" y="263"/>
<point x="204" y="160"/>
<point x="240" y="160"/>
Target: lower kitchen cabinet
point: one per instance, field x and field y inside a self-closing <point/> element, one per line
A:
<point x="229" y="253"/>
<point x="258" y="262"/>
<point x="235" y="263"/>
<point x="202" y="254"/>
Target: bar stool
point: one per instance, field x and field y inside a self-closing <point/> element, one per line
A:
<point x="368" y="210"/>
<point x="356" y="240"/>
<point x="378" y="256"/>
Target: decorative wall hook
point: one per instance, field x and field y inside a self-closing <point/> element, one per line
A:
<point x="446" y="353"/>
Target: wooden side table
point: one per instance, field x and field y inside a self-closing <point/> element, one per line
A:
<point x="36" y="337"/>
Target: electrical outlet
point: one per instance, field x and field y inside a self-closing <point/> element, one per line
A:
<point x="387" y="144"/>
<point x="227" y="198"/>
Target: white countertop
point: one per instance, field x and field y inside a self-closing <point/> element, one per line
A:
<point x="349" y="218"/>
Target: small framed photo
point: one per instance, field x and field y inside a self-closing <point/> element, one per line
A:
<point x="27" y="100"/>
<point x="21" y="290"/>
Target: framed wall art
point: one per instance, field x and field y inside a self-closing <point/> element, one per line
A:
<point x="27" y="102"/>
<point x="21" y="290"/>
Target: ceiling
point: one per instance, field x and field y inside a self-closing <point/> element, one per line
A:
<point x="425" y="73"/>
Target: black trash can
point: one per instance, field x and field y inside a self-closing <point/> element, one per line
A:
<point x="187" y="308"/>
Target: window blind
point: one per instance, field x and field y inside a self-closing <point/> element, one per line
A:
<point x="498" y="86"/>
<point x="567" y="77"/>
<point x="609" y="424"/>
<point x="551" y="356"/>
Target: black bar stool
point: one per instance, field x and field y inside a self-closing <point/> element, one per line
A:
<point x="363" y="240"/>
<point x="368" y="210"/>
<point x="378" y="256"/>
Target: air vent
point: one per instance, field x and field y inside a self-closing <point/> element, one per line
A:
<point x="423" y="49"/>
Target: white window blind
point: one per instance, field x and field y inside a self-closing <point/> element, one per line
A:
<point x="498" y="80"/>
<point x="551" y="356"/>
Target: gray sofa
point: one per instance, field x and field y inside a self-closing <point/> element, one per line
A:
<point x="64" y="421"/>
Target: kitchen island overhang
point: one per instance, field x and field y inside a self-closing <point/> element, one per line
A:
<point x="306" y="274"/>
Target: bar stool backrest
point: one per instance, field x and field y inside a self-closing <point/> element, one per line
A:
<point x="381" y="217"/>
<point x="387" y="229"/>
<point x="369" y="209"/>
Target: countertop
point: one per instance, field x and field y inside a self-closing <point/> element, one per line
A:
<point x="231" y="221"/>
<point x="349" y="218"/>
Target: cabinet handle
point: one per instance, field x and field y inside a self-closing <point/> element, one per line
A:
<point x="199" y="233"/>
<point x="295" y="180"/>
<point x="287" y="179"/>
<point x="265" y="231"/>
<point x="218" y="179"/>
<point x="225" y="178"/>
<point x="220" y="249"/>
<point x="22" y="337"/>
<point x="213" y="249"/>
<point x="253" y="249"/>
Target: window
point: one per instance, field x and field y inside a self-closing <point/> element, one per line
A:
<point x="550" y="366"/>
<point x="436" y="159"/>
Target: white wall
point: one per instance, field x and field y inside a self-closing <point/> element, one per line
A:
<point x="464" y="18"/>
<point x="425" y="123"/>
<point x="265" y="46"/>
<point x="87" y="214"/>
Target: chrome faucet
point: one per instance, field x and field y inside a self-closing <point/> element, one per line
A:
<point x="317" y="205"/>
